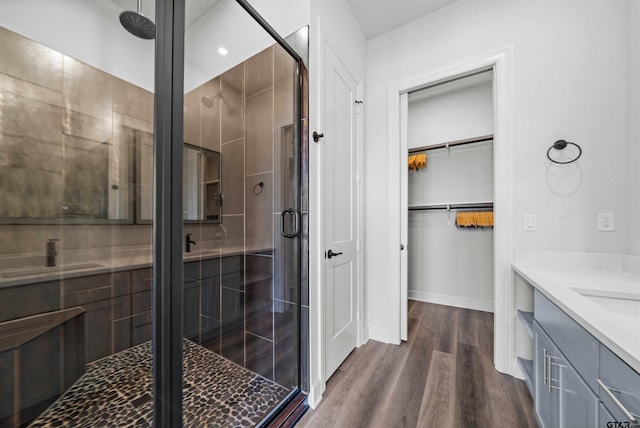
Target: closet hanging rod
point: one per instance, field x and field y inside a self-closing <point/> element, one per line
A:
<point x="452" y="144"/>
<point x="477" y="205"/>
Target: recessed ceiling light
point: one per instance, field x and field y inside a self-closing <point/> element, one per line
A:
<point x="223" y="51"/>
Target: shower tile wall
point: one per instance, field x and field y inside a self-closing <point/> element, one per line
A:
<point x="63" y="123"/>
<point x="82" y="113"/>
<point x="255" y="101"/>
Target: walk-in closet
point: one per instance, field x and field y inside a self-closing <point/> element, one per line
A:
<point x="451" y="193"/>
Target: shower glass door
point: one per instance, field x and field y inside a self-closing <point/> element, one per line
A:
<point x="76" y="221"/>
<point x="241" y="216"/>
<point x="150" y="270"/>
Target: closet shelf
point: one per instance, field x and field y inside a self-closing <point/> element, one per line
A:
<point x="452" y="144"/>
<point x="527" y="321"/>
<point x="432" y="207"/>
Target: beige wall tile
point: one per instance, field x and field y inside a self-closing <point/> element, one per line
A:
<point x="192" y="117"/>
<point x="31" y="118"/>
<point x="132" y="100"/>
<point x="284" y="81"/>
<point x="232" y="180"/>
<point x="24" y="89"/>
<point x="259" y="133"/>
<point x="210" y="114"/>
<point x="86" y="89"/>
<point x="259" y="208"/>
<point x="234" y="226"/>
<point x="95" y="128"/>
<point x="30" y="61"/>
<point x="259" y="72"/>
<point x="232" y="108"/>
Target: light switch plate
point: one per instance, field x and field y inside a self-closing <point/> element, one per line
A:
<point x="531" y="222"/>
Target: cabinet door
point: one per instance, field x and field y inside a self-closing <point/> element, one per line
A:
<point x="605" y="419"/>
<point x="578" y="403"/>
<point x="546" y="396"/>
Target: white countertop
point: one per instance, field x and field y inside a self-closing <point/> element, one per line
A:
<point x="558" y="275"/>
<point x="108" y="260"/>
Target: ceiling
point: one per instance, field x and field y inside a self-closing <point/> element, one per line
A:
<point x="194" y="9"/>
<point x="374" y="16"/>
<point x="379" y="16"/>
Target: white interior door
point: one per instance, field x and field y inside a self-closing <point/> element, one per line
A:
<point x="340" y="212"/>
<point x="404" y="216"/>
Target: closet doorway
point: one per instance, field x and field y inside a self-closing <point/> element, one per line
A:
<point x="449" y="136"/>
<point x="497" y="64"/>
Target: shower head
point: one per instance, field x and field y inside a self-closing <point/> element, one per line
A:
<point x="138" y="24"/>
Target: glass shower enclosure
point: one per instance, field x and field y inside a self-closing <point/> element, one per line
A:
<point x="152" y="214"/>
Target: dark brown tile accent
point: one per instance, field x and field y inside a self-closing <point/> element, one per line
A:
<point x="283" y="333"/>
<point x="259" y="355"/>
<point x="191" y="312"/>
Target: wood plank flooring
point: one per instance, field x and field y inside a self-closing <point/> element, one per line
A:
<point x="443" y="376"/>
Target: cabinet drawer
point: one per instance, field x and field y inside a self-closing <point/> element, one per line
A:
<point x="232" y="264"/>
<point x="577" y="345"/>
<point x="622" y="380"/>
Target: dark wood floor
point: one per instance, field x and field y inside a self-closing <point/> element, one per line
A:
<point x="443" y="376"/>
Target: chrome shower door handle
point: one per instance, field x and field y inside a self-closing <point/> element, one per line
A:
<point x="296" y="223"/>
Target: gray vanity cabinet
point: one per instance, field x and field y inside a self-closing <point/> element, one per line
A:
<point x="566" y="368"/>
<point x="618" y="382"/>
<point x="546" y="400"/>
<point x="562" y="399"/>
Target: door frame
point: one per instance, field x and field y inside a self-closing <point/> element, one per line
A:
<point x="317" y="244"/>
<point x="500" y="61"/>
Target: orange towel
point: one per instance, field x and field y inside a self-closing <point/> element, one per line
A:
<point x="474" y="219"/>
<point x="417" y="162"/>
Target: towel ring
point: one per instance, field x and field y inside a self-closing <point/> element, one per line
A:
<point x="561" y="145"/>
<point x="258" y="188"/>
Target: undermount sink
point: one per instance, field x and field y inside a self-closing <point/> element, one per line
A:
<point x="621" y="303"/>
<point x="15" y="273"/>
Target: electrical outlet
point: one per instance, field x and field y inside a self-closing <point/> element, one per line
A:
<point x="531" y="222"/>
<point x="605" y="222"/>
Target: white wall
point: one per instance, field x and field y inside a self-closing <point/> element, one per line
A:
<point x="87" y="30"/>
<point x="633" y="124"/>
<point x="455" y="112"/>
<point x="569" y="82"/>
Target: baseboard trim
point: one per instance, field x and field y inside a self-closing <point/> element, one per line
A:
<point x="456" y="301"/>
<point x="315" y="395"/>
<point x="380" y="334"/>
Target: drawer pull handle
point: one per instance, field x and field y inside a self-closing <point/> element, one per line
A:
<point x="544" y="366"/>
<point x="608" y="391"/>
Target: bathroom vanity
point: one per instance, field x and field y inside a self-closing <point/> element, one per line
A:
<point x="84" y="312"/>
<point x="585" y="331"/>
